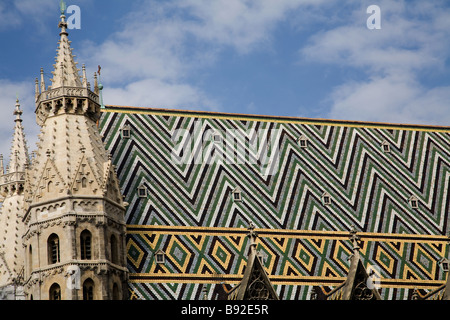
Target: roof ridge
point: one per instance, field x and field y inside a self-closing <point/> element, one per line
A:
<point x="261" y="117"/>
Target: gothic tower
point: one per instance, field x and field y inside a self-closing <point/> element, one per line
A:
<point x="11" y="226"/>
<point x="74" y="240"/>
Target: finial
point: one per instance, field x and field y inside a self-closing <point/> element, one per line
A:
<point x="62" y="6"/>
<point x="17" y="112"/>
<point x="63" y="24"/>
<point x="36" y="85"/>
<point x="95" y="83"/>
<point x="100" y="88"/>
<point x="42" y="80"/>
<point x="354" y="238"/>
<point x="2" y="168"/>
<point x="85" y="83"/>
<point x="252" y="234"/>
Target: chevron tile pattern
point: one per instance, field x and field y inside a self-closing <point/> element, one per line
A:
<point x="302" y="182"/>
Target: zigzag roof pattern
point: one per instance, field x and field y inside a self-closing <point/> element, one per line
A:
<point x="342" y="176"/>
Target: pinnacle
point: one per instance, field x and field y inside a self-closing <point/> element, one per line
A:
<point x="19" y="151"/>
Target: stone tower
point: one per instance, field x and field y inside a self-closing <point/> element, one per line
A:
<point x="11" y="226"/>
<point x="74" y="239"/>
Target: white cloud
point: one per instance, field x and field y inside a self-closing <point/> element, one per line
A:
<point x="164" y="44"/>
<point x="413" y="40"/>
<point x="390" y="99"/>
<point x="403" y="43"/>
<point x="158" y="94"/>
<point x="241" y="24"/>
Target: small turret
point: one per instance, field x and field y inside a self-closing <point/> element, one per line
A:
<point x="11" y="226"/>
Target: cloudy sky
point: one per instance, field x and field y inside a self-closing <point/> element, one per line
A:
<point x="306" y="58"/>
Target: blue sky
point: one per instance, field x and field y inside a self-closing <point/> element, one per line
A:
<point x="306" y="58"/>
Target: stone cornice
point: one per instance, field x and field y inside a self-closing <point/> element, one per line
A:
<point x="99" y="266"/>
<point x="67" y="92"/>
<point x="71" y="198"/>
<point x="72" y="219"/>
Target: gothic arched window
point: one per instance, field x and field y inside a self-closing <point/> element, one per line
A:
<point x="86" y="245"/>
<point x="88" y="289"/>
<point x="55" y="292"/>
<point x="53" y="249"/>
<point x="84" y="182"/>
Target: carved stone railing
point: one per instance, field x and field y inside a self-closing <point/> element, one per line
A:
<point x="100" y="266"/>
<point x="68" y="92"/>
<point x="12" y="177"/>
<point x="70" y="99"/>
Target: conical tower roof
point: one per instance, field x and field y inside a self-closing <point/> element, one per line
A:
<point x="66" y="73"/>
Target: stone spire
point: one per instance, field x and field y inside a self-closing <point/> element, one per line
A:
<point x="19" y="152"/>
<point x="65" y="73"/>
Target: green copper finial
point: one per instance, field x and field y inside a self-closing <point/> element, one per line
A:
<point x="62" y="6"/>
<point x="100" y="87"/>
